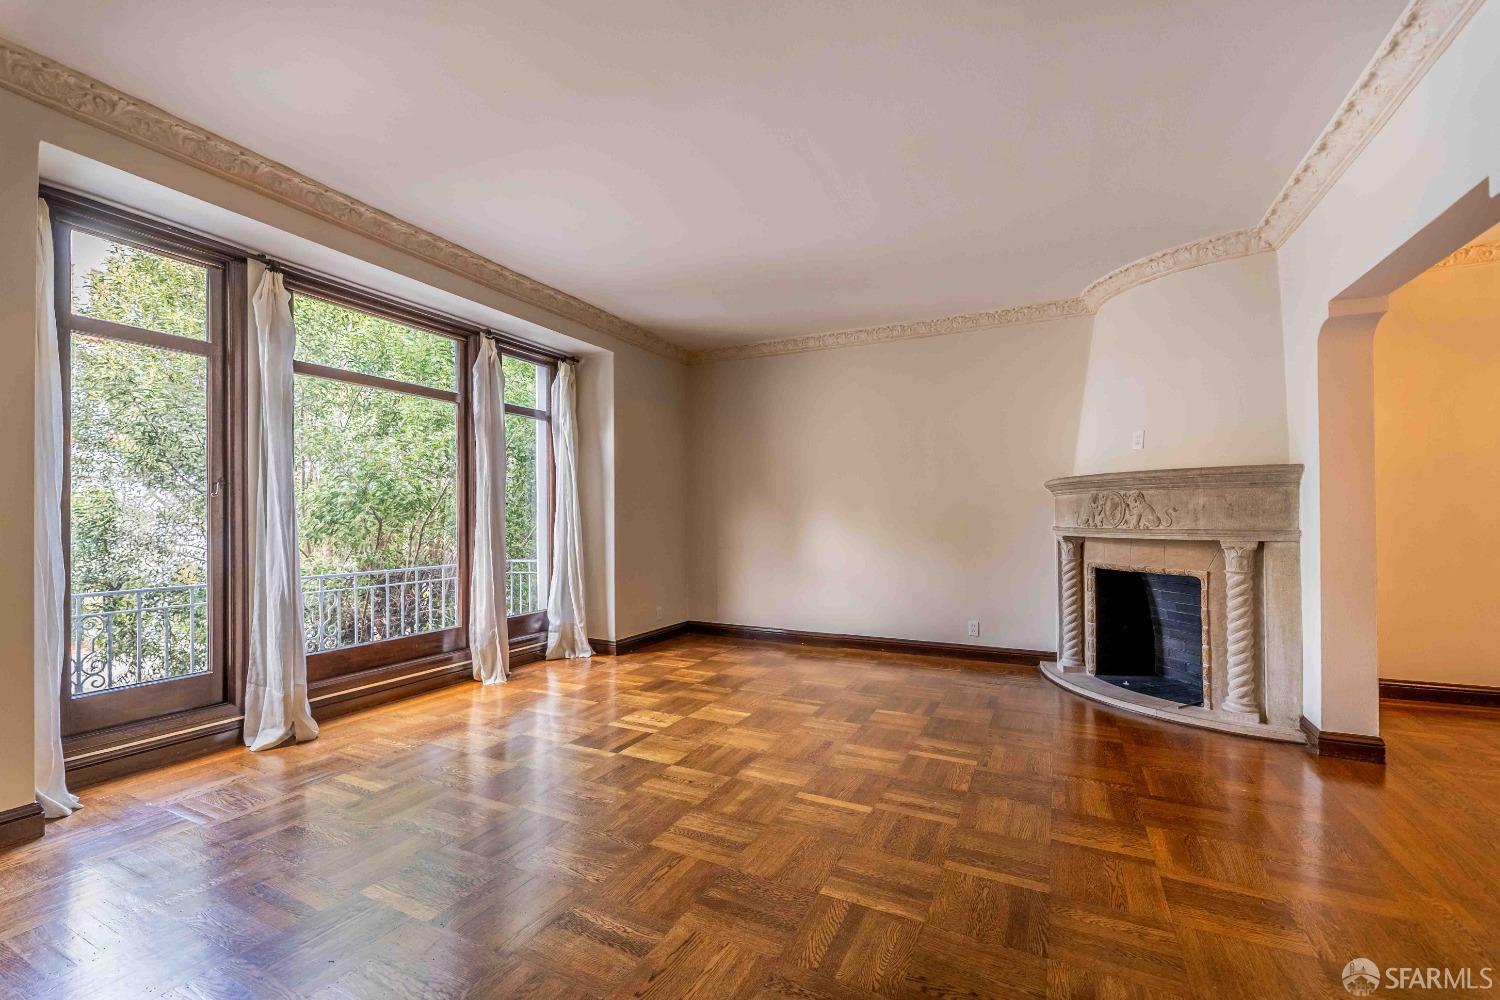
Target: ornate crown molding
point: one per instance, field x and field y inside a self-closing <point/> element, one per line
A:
<point x="1420" y="35"/>
<point x="1474" y="253"/>
<point x="38" y="78"/>
<point x="1241" y="243"/>
<point x="963" y="323"/>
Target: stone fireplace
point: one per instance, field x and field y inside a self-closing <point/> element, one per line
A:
<point x="1179" y="595"/>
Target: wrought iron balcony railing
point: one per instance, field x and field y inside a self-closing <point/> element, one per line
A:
<point x="127" y="638"/>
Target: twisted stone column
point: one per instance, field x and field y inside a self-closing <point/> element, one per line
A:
<point x="1243" y="681"/>
<point x="1070" y="584"/>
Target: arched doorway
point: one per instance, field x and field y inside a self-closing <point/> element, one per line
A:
<point x="1347" y="523"/>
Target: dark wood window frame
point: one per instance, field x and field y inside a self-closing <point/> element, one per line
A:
<point x="425" y="649"/>
<point x="528" y="627"/>
<point x="325" y="669"/>
<point x="216" y="698"/>
<point x="97" y="752"/>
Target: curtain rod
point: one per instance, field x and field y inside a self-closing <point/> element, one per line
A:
<point x="526" y="346"/>
<point x="517" y="343"/>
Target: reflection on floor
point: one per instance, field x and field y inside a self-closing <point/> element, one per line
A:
<point x="726" y="819"/>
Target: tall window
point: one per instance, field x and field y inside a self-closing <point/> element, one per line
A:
<point x="528" y="490"/>
<point x="379" y="481"/>
<point x="141" y="323"/>
<point x="152" y="333"/>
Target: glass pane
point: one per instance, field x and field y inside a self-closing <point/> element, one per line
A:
<point x="526" y="520"/>
<point x="139" y="515"/>
<point x="117" y="282"/>
<point x="377" y="512"/>
<point x="333" y="335"/>
<point x="525" y="383"/>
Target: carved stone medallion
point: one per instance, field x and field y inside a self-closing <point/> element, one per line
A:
<point x="1123" y="509"/>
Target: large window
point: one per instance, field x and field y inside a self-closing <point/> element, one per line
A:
<point x="152" y="334"/>
<point x="528" y="488"/>
<point x="381" y="479"/>
<point x="141" y="322"/>
<point x="380" y="488"/>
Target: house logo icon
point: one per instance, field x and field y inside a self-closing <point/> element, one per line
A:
<point x="1361" y="977"/>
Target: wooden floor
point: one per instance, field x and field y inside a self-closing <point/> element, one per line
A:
<point x="726" y="819"/>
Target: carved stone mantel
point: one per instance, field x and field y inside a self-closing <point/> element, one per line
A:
<point x="1234" y="527"/>
<point x="1244" y="502"/>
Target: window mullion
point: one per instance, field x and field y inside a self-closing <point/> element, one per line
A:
<point x="137" y="335"/>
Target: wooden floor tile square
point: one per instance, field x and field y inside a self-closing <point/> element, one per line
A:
<point x="854" y="946"/>
<point x="883" y="882"/>
<point x="944" y="964"/>
<point x="595" y="944"/>
<point x="990" y="912"/>
<point x="710" y="836"/>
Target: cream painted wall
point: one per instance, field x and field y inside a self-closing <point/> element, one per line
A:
<point x="614" y="434"/>
<point x="18" y="182"/>
<point x="1194" y="359"/>
<point x="1437" y="461"/>
<point x="888" y="490"/>
<point x="1439" y="145"/>
<point x="651" y="464"/>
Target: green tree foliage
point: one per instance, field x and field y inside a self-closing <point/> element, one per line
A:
<point x="376" y="473"/>
<point x="139" y="289"/>
<point x="376" y="470"/>
<point x="139" y="430"/>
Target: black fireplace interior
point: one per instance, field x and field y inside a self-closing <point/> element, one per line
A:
<point x="1148" y="632"/>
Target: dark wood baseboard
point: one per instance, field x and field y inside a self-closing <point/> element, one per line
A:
<point x="1348" y="746"/>
<point x="20" y="824"/>
<point x="1438" y="692"/>
<point x="912" y="647"/>
<point x="631" y="643"/>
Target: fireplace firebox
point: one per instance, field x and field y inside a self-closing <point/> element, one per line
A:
<point x="1149" y="633"/>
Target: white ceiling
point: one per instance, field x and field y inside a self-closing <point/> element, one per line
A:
<point x="728" y="172"/>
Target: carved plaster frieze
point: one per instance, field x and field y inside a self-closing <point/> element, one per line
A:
<point x="1241" y="243"/>
<point x="56" y="86"/>
<point x="1420" y="35"/>
<point x="1474" y="253"/>
<point x="1035" y="313"/>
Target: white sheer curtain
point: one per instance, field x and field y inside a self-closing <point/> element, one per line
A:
<point x="566" y="636"/>
<point x="488" y="642"/>
<point x="49" y="575"/>
<point x="276" y="705"/>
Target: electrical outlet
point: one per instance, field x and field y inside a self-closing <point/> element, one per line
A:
<point x="973" y="630"/>
<point x="658" y="614"/>
<point x="1138" y="440"/>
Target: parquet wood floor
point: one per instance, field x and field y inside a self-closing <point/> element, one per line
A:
<point x="714" y="818"/>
